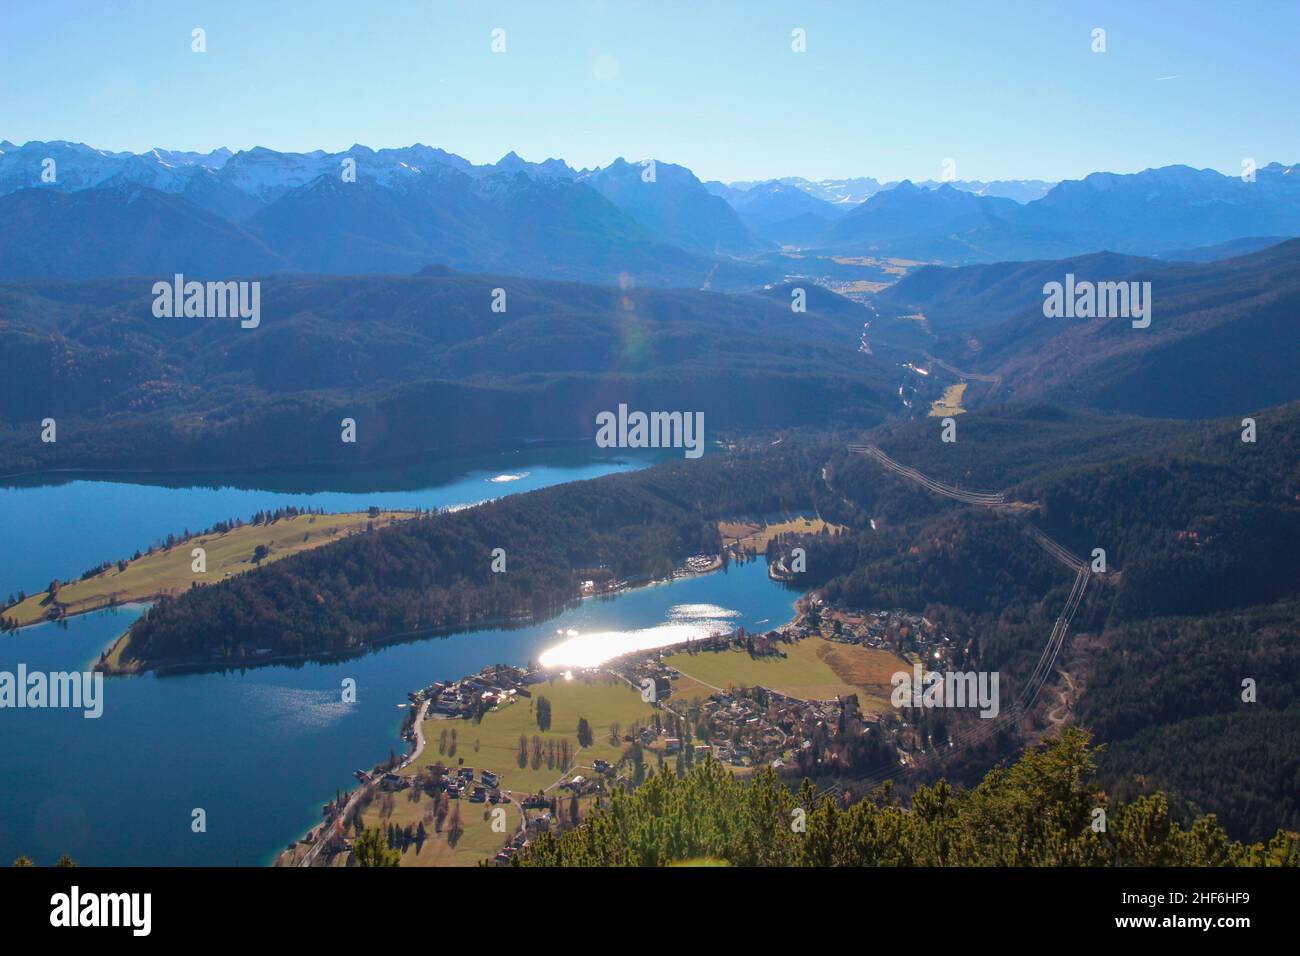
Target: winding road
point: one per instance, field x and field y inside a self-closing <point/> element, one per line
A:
<point x="985" y="728"/>
<point x="325" y="829"/>
<point x="984" y="498"/>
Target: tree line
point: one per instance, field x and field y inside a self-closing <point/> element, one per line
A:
<point x="1041" y="811"/>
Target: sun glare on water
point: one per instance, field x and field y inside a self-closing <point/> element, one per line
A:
<point x="686" y="622"/>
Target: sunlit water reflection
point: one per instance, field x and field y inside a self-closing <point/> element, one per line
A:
<point x="686" y="622"/>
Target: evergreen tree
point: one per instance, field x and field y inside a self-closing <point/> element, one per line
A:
<point x="371" y="849"/>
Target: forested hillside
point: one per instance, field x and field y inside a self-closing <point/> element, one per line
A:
<point x="1221" y="342"/>
<point x="1166" y="693"/>
<point x="1221" y="338"/>
<point x="1199" y="530"/>
<point x="436" y="572"/>
<point x="423" y="364"/>
<point x="971" y="299"/>
<point x="1037" y="812"/>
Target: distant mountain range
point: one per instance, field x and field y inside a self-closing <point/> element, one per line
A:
<point x="1154" y="212"/>
<point x="261" y="211"/>
<point x="850" y="192"/>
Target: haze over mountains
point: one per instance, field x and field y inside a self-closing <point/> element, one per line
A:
<point x="261" y="211"/>
<point x="796" y="211"/>
<point x="850" y="192"/>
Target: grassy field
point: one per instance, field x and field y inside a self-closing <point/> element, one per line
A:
<point x="686" y="689"/>
<point x="814" y="669"/>
<point x="897" y="267"/>
<point x="168" y="571"/>
<point x="477" y="841"/>
<point x="754" y="535"/>
<point x="860" y="285"/>
<point x="950" y="404"/>
<point x="494" y="743"/>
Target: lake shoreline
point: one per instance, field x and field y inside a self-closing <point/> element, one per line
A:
<point x="314" y="836"/>
<point x="232" y="472"/>
<point x="202" y="666"/>
<point x="336" y="526"/>
<point x="204" y="727"/>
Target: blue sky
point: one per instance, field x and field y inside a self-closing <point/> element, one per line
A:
<point x="1007" y="90"/>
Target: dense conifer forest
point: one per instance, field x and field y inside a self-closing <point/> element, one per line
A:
<point x="1043" y="810"/>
